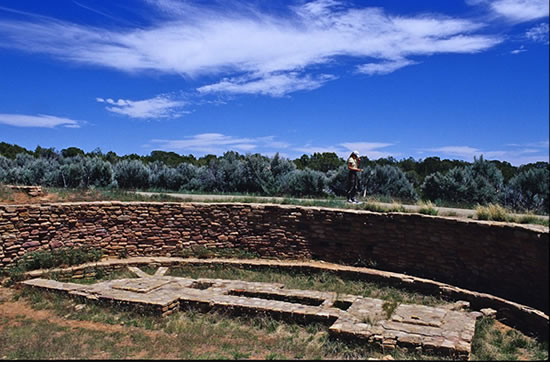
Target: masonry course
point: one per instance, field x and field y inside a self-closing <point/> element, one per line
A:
<point x="437" y="330"/>
<point x="503" y="259"/>
<point x="530" y="321"/>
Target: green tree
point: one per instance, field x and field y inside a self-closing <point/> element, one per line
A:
<point x="45" y="152"/>
<point x="206" y="160"/>
<point x="325" y="161"/>
<point x="72" y="152"/>
<point x="171" y="159"/>
<point x="508" y="171"/>
<point x="302" y="162"/>
<point x="11" y="150"/>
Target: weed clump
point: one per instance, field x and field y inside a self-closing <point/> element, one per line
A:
<point x="493" y="212"/>
<point x="46" y="259"/>
<point x="428" y="208"/>
<point x="389" y="307"/>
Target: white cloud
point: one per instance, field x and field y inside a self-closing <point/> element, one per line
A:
<point x="383" y="68"/>
<point x="520" y="10"/>
<point x="259" y="52"/>
<point x="516" y="11"/>
<point x="272" y="84"/>
<point x="245" y="146"/>
<point x="217" y="143"/>
<point x="365" y="146"/>
<point x="461" y="151"/>
<point x="40" y="120"/>
<point x="538" y="33"/>
<point x="369" y="149"/>
<point x="154" y="108"/>
<point x="270" y="142"/>
<point x="518" y="155"/>
<point x="519" y="50"/>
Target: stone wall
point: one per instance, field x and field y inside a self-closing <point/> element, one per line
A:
<point x="506" y="260"/>
<point x="30" y="190"/>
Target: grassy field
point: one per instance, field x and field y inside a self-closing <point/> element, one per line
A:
<point x="38" y="325"/>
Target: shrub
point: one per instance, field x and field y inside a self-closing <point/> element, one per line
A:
<point x="164" y="177"/>
<point x="97" y="172"/>
<point x="387" y="181"/>
<point x="479" y="183"/>
<point x="488" y="181"/>
<point x="258" y="177"/>
<point x="206" y="179"/>
<point x="187" y="173"/>
<point x="279" y="168"/>
<point x="528" y="190"/>
<point x="337" y="181"/>
<point x="132" y="174"/>
<point x="230" y="173"/>
<point x="304" y="183"/>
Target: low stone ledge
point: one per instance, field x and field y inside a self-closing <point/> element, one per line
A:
<point x="528" y="320"/>
<point x="30" y="190"/>
<point x="440" y="330"/>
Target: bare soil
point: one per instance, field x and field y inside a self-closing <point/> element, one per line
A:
<point x="20" y="309"/>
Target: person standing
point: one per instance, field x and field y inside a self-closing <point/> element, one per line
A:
<point x="353" y="181"/>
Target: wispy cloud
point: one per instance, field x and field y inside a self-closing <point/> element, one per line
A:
<point x="255" y="52"/>
<point x="521" y="10"/>
<point x="40" y="121"/>
<point x="516" y="10"/>
<point x="461" y="151"/>
<point x="273" y="84"/>
<point x="517" y="155"/>
<point x="217" y="143"/>
<point x="538" y="33"/>
<point x="369" y="149"/>
<point x="154" y="108"/>
<point x="519" y="50"/>
<point x="383" y="68"/>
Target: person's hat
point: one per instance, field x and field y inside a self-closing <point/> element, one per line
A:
<point x="356" y="153"/>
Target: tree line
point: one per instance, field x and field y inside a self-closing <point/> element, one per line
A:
<point x="321" y="174"/>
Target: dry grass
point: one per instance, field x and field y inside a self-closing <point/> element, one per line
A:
<point x="427" y="208"/>
<point x="46" y="326"/>
<point x="493" y="212"/>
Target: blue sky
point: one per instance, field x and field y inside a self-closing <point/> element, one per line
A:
<point x="453" y="79"/>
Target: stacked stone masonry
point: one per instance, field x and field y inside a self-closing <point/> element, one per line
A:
<point x="524" y="318"/>
<point x="506" y="260"/>
<point x="30" y="190"/>
<point x="438" y="330"/>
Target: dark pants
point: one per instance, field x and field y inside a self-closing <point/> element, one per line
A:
<point x="353" y="183"/>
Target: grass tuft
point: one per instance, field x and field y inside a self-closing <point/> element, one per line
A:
<point x="493" y="212"/>
<point x="45" y="259"/>
<point x="428" y="208"/>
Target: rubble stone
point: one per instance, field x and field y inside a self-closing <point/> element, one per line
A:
<point x="433" y="329"/>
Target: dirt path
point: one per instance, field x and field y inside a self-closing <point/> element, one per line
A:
<point x="20" y="309"/>
<point x="458" y="212"/>
<point x="14" y="313"/>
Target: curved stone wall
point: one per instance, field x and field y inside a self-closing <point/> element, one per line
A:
<point x="506" y="260"/>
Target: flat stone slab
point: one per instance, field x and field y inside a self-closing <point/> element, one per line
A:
<point x="140" y="286"/>
<point x="374" y="321"/>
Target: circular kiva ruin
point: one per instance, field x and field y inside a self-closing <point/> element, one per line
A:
<point x="482" y="267"/>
